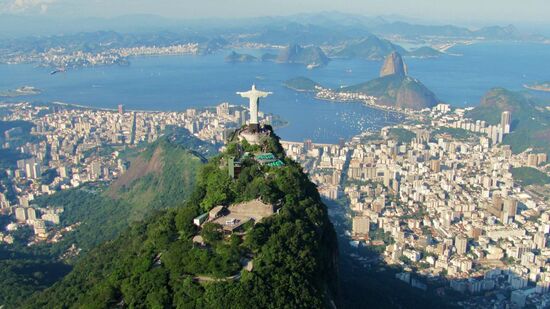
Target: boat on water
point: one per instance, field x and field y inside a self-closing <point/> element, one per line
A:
<point x="58" y="70"/>
<point x="312" y="66"/>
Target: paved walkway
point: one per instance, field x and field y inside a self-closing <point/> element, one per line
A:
<point x="248" y="265"/>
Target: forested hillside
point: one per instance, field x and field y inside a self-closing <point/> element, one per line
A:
<point x="98" y="213"/>
<point x="530" y="118"/>
<point x="156" y="264"/>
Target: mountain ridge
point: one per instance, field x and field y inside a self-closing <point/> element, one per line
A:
<point x="371" y="48"/>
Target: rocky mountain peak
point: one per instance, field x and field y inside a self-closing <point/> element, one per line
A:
<point x="393" y="64"/>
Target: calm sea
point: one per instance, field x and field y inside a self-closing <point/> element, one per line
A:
<point x="181" y="82"/>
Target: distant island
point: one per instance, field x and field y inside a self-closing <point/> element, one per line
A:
<point x="543" y="86"/>
<point x="302" y="84"/>
<point x="424" y="52"/>
<point x="311" y="56"/>
<point x="21" y="91"/>
<point x="236" y="57"/>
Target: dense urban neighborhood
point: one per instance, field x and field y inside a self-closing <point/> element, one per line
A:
<point x="61" y="147"/>
<point x="443" y="198"/>
<point x="441" y="195"/>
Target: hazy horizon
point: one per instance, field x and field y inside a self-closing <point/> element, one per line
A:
<point x="467" y="12"/>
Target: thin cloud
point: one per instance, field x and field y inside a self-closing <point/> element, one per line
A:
<point x="25" y="6"/>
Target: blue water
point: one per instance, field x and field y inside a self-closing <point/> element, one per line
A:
<point x="180" y="82"/>
<point x="462" y="80"/>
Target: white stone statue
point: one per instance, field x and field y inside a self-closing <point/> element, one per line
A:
<point x="254" y="96"/>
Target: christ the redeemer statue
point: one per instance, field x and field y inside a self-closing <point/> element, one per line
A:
<point x="254" y="96"/>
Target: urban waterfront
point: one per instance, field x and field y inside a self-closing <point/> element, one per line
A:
<point x="175" y="83"/>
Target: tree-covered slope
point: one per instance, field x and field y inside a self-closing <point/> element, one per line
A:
<point x="97" y="214"/>
<point x="379" y="87"/>
<point x="530" y="176"/>
<point x="111" y="209"/>
<point x="302" y="84"/>
<point x="161" y="176"/>
<point x="530" y="118"/>
<point x="21" y="277"/>
<point x="155" y="263"/>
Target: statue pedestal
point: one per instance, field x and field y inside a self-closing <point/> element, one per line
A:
<point x="254" y="128"/>
<point x="253" y="134"/>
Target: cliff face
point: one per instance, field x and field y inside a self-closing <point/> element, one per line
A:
<point x="393" y="64"/>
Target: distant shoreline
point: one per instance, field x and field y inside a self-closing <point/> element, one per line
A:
<point x="364" y="103"/>
<point x="370" y="105"/>
<point x="537" y="88"/>
<point x="298" y="89"/>
<point x="107" y="109"/>
<point x="101" y="108"/>
<point x="20" y="92"/>
<point x="281" y="122"/>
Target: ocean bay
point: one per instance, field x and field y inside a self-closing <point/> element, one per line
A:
<point x="181" y="82"/>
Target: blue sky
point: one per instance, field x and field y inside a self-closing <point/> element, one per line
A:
<point x="465" y="11"/>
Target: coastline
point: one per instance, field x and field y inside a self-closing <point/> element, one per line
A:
<point x="365" y="103"/>
<point x="297" y="89"/>
<point x="281" y="122"/>
<point x="107" y="109"/>
<point x="24" y="91"/>
<point x="370" y="105"/>
<point x="536" y="88"/>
